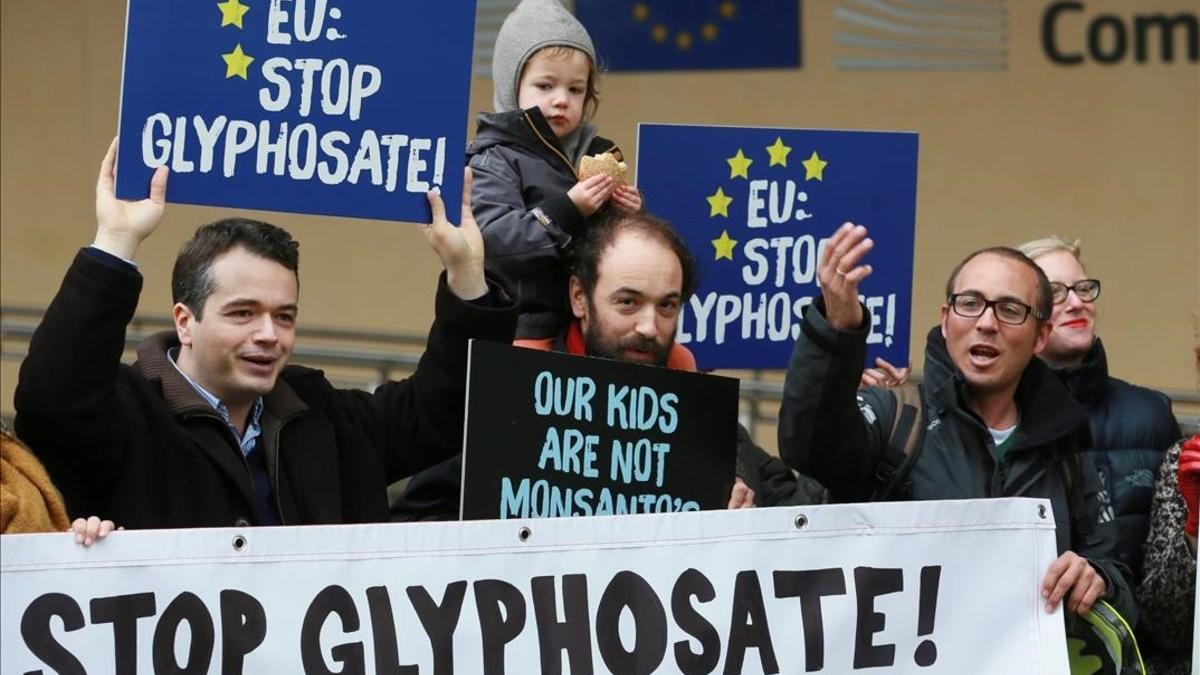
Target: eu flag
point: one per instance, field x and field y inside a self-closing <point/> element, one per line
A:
<point x="693" y="34"/>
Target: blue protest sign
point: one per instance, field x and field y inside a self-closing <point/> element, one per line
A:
<point x="694" y="35"/>
<point x="756" y="205"/>
<point x="309" y="106"/>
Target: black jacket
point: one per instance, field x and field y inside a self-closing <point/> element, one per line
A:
<point x="136" y="444"/>
<point x="519" y="197"/>
<point x="774" y="484"/>
<point x="1131" y="427"/>
<point x="819" y="411"/>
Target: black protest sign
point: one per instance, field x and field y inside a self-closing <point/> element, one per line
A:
<point x="550" y="434"/>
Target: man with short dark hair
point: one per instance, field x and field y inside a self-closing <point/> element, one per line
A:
<point x="995" y="421"/>
<point x="211" y="427"/>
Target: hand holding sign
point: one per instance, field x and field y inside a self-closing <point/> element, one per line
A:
<point x="459" y="248"/>
<point x="122" y="225"/>
<point x="840" y="274"/>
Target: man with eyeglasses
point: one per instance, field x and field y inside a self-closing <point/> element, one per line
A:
<point x="995" y="421"/>
<point x="1130" y="426"/>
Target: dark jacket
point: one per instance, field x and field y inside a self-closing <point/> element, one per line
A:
<point x="1131" y="427"/>
<point x="955" y="462"/>
<point x="774" y="484"/>
<point x="136" y="444"/>
<point x="519" y="197"/>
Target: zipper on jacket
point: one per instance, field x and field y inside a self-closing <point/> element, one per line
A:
<point x="237" y="448"/>
<point x="275" y="474"/>
<point x="551" y="146"/>
<point x="999" y="476"/>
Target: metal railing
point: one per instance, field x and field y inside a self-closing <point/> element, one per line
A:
<point x="365" y="359"/>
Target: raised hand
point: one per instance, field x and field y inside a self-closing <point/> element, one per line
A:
<point x="840" y="273"/>
<point x="122" y="225"/>
<point x="459" y="248"/>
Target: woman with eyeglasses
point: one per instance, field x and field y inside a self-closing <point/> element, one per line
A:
<point x="1131" y="426"/>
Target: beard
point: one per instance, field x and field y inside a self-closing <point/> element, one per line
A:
<point x="597" y="345"/>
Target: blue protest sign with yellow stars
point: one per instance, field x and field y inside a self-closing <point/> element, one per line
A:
<point x="309" y="106"/>
<point x="696" y="34"/>
<point x="756" y="206"/>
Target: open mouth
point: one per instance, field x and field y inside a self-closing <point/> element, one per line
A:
<point x="1074" y="323"/>
<point x="638" y="355"/>
<point x="262" y="364"/>
<point x="983" y="355"/>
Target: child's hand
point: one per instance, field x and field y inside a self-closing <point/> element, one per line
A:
<point x="627" y="200"/>
<point x="589" y="195"/>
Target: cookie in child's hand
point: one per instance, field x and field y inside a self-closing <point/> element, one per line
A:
<point x="605" y="162"/>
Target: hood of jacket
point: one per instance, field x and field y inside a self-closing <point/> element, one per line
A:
<point x="532" y="26"/>
<point x="1047" y="409"/>
<point x="529" y="131"/>
<point x="1088" y="382"/>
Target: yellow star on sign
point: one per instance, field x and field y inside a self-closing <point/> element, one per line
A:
<point x="724" y="246"/>
<point x="738" y="165"/>
<point x="813" y="167"/>
<point x="778" y="152"/>
<point x="236" y="63"/>
<point x="718" y="203"/>
<point x="641" y="11"/>
<point x="232" y="12"/>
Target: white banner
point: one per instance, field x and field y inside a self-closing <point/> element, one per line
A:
<point x="925" y="587"/>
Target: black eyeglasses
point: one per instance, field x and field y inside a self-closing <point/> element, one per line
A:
<point x="1086" y="290"/>
<point x="1012" y="312"/>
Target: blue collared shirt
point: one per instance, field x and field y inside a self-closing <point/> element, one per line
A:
<point x="253" y="425"/>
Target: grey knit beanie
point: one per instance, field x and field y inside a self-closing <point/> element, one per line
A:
<point x="533" y="25"/>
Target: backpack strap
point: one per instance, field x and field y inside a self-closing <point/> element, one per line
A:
<point x="903" y="445"/>
<point x="1070" y="469"/>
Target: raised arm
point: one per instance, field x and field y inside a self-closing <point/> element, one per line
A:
<point x="825" y="430"/>
<point x="122" y="226"/>
<point x="67" y="401"/>
<point x="459" y="248"/>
